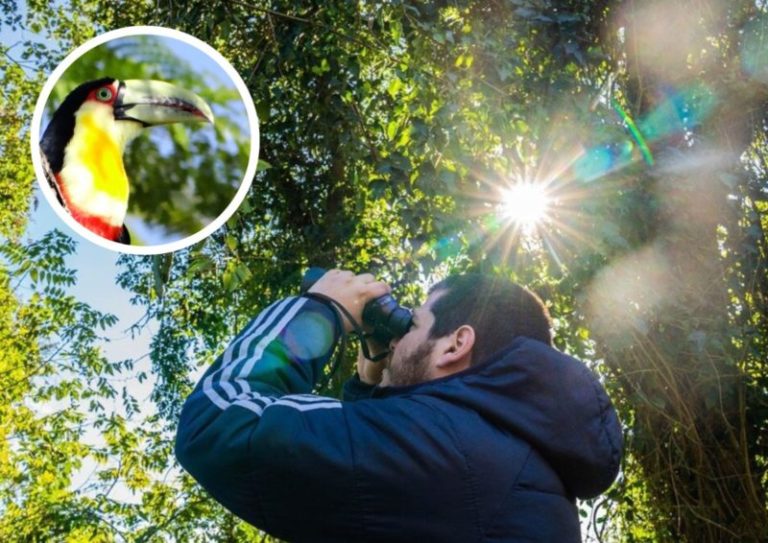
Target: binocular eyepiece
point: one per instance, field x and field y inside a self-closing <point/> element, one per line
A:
<point x="387" y="318"/>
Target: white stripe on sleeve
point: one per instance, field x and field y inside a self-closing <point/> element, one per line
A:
<point x="266" y="340"/>
<point x="262" y="323"/>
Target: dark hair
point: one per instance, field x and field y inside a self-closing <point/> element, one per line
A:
<point x="498" y="309"/>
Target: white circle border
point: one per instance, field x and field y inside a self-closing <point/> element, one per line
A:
<point x="250" y="170"/>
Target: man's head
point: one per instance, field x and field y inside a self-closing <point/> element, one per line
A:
<point x="465" y="319"/>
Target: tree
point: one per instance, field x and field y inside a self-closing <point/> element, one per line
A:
<point x="389" y="130"/>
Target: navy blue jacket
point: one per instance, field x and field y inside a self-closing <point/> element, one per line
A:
<point x="495" y="453"/>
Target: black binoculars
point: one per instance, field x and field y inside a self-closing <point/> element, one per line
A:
<point x="387" y="318"/>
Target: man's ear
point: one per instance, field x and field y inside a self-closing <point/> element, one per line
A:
<point x="456" y="352"/>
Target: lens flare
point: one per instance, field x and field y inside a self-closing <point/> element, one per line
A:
<point x="525" y="204"/>
<point x="754" y="53"/>
<point x="632" y="127"/>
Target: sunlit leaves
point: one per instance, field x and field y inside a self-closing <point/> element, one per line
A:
<point x="54" y="381"/>
<point x="16" y="177"/>
<point x="386" y="126"/>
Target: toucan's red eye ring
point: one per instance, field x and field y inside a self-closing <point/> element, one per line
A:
<point x="104" y="94"/>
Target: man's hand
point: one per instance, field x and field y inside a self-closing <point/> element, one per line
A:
<point x="351" y="291"/>
<point x="370" y="372"/>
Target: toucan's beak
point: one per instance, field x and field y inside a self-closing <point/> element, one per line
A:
<point x="157" y="102"/>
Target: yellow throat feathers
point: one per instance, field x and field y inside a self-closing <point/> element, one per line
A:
<point x="102" y="154"/>
<point x="93" y="161"/>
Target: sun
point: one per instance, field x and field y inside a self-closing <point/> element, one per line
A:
<point x="525" y="204"/>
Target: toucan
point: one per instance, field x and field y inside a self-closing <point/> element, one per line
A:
<point x="82" y="147"/>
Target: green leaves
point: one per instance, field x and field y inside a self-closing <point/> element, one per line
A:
<point x="235" y="274"/>
<point x="16" y="178"/>
<point x="53" y="379"/>
<point x="388" y="130"/>
<point x="322" y="68"/>
<point x="42" y="261"/>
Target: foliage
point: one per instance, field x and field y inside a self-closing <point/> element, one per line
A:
<point x="389" y="130"/>
<point x="16" y="104"/>
<point x="51" y="373"/>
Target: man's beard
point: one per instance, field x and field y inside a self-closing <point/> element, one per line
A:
<point x="413" y="368"/>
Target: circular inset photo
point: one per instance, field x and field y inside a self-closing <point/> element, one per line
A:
<point x="145" y="140"/>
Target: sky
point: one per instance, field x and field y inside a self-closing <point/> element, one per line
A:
<point x="96" y="271"/>
<point x="96" y="266"/>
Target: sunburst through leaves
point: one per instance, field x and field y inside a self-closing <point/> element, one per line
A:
<point x="525" y="204"/>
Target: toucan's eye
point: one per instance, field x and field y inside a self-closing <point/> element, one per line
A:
<point x="104" y="94"/>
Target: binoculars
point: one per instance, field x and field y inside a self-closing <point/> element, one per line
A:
<point x="387" y="318"/>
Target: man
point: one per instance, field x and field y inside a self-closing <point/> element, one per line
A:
<point x="478" y="429"/>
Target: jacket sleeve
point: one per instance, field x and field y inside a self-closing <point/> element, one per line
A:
<point x="253" y="435"/>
